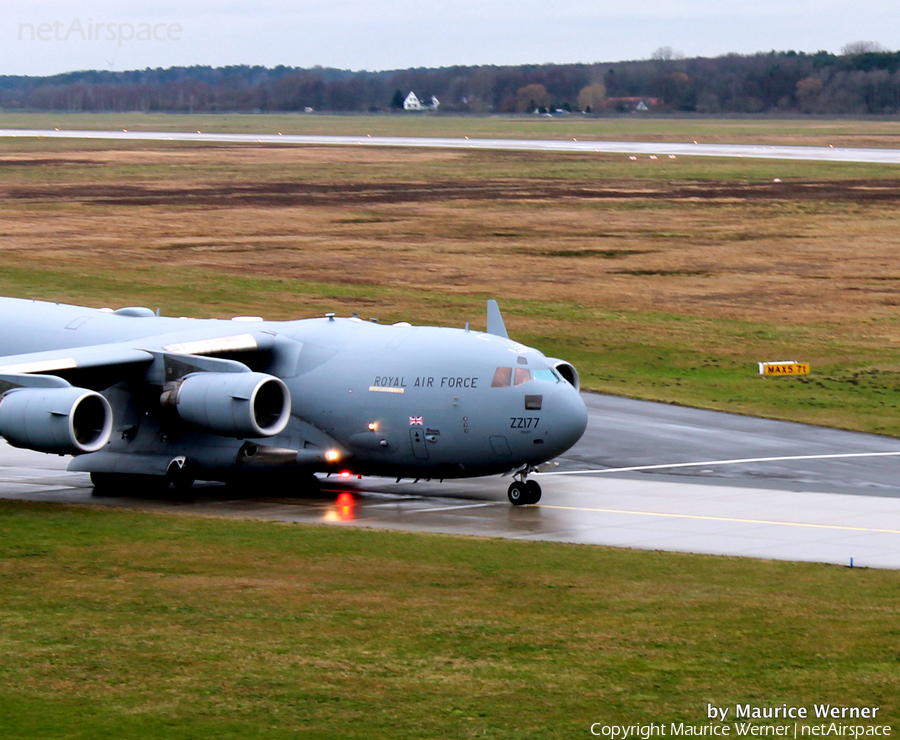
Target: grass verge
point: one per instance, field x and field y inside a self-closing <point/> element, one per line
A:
<point x="123" y="624"/>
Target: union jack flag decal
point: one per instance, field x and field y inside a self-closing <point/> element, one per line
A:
<point x="415" y="421"/>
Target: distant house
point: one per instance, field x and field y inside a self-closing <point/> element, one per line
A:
<point x="412" y="102"/>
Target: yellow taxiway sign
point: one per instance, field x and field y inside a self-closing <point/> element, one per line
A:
<point x="790" y="367"/>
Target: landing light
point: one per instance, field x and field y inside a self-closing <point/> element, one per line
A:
<point x="332" y="455"/>
<point x="372" y="426"/>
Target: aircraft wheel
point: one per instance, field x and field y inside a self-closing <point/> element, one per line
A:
<point x="127" y="484"/>
<point x="145" y="485"/>
<point x="181" y="481"/>
<point x="181" y="488"/>
<point x="517" y="493"/>
<point x="534" y="491"/>
<point x="105" y="484"/>
<point x="310" y="486"/>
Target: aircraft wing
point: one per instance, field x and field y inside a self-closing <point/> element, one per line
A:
<point x="61" y="361"/>
<point x="58" y="401"/>
<point x="165" y="358"/>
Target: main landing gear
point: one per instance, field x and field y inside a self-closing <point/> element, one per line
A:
<point x="177" y="476"/>
<point x="523" y="492"/>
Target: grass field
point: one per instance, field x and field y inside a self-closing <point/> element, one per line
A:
<point x="661" y="279"/>
<point x="126" y="624"/>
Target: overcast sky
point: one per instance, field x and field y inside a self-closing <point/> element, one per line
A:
<point x="47" y="36"/>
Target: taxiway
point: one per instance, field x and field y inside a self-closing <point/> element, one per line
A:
<point x="645" y="475"/>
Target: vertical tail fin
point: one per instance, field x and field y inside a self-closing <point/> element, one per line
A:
<point x="495" y="323"/>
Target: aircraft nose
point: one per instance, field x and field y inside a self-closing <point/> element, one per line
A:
<point x="569" y="418"/>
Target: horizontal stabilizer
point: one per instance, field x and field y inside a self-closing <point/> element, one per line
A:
<point x="495" y="323"/>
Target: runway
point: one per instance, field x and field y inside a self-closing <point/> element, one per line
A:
<point x="578" y="146"/>
<point x="828" y="497"/>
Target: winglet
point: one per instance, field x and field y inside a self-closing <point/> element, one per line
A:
<point x="495" y="323"/>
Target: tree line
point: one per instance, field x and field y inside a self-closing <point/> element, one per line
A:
<point x="863" y="79"/>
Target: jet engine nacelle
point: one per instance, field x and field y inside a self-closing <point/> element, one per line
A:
<point x="567" y="370"/>
<point x="67" y="421"/>
<point x="232" y="404"/>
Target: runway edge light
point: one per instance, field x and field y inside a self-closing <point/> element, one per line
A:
<point x="785" y="367"/>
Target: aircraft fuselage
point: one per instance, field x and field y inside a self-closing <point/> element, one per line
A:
<point x="394" y="400"/>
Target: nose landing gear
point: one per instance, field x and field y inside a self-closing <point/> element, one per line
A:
<point x="522" y="492"/>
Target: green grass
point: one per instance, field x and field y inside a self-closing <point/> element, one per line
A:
<point x="125" y="624"/>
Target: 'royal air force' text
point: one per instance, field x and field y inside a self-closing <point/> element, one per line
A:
<point x="399" y="381"/>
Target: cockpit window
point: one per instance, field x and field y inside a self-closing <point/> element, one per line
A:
<point x="502" y="377"/>
<point x="547" y="375"/>
<point x="523" y="375"/>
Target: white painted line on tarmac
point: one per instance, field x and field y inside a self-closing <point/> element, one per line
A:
<point x="739" y="461"/>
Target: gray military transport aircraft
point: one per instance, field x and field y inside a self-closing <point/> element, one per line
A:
<point x="144" y="401"/>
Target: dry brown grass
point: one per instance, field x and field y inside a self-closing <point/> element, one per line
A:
<point x="734" y="250"/>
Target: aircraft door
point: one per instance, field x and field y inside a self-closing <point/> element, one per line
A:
<point x="500" y="446"/>
<point x="417" y="439"/>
